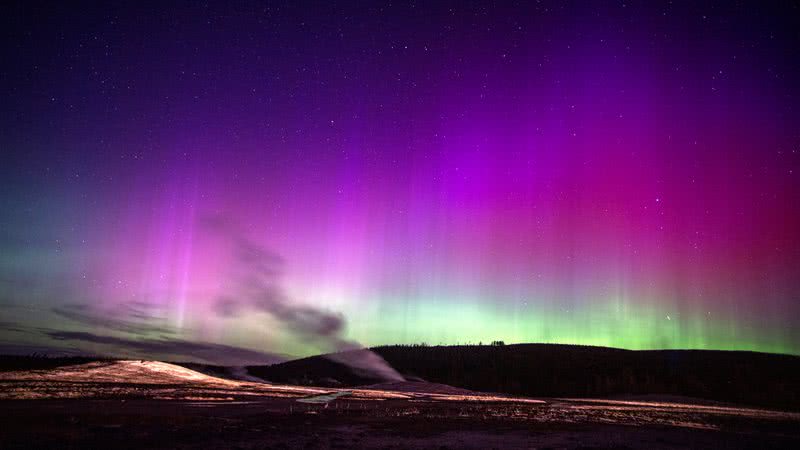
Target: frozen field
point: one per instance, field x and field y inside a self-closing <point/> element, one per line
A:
<point x="134" y="404"/>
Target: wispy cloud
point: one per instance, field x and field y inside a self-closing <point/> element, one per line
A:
<point x="133" y="317"/>
<point x="167" y="348"/>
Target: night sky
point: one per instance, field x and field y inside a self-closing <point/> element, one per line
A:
<point x="238" y="182"/>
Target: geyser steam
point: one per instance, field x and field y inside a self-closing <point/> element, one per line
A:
<point x="256" y="284"/>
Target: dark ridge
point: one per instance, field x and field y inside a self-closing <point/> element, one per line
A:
<point x="313" y="371"/>
<point x="550" y="370"/>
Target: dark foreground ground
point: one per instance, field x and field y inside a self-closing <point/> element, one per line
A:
<point x="151" y="404"/>
<point x="550" y="370"/>
<point x="390" y="424"/>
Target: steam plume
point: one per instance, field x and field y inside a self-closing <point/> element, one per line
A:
<point x="256" y="285"/>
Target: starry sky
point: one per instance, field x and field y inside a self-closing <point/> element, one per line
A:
<point x="251" y="181"/>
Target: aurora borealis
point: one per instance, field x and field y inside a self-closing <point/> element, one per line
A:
<point x="603" y="173"/>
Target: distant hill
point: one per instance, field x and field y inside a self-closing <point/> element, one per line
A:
<point x="548" y="370"/>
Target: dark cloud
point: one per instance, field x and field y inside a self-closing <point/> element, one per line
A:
<point x="173" y="349"/>
<point x="12" y="327"/>
<point x="133" y="317"/>
<point x="13" y="348"/>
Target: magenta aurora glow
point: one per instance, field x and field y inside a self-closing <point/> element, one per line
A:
<point x="620" y="175"/>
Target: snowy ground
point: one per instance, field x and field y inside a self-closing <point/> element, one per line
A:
<point x="135" y="404"/>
